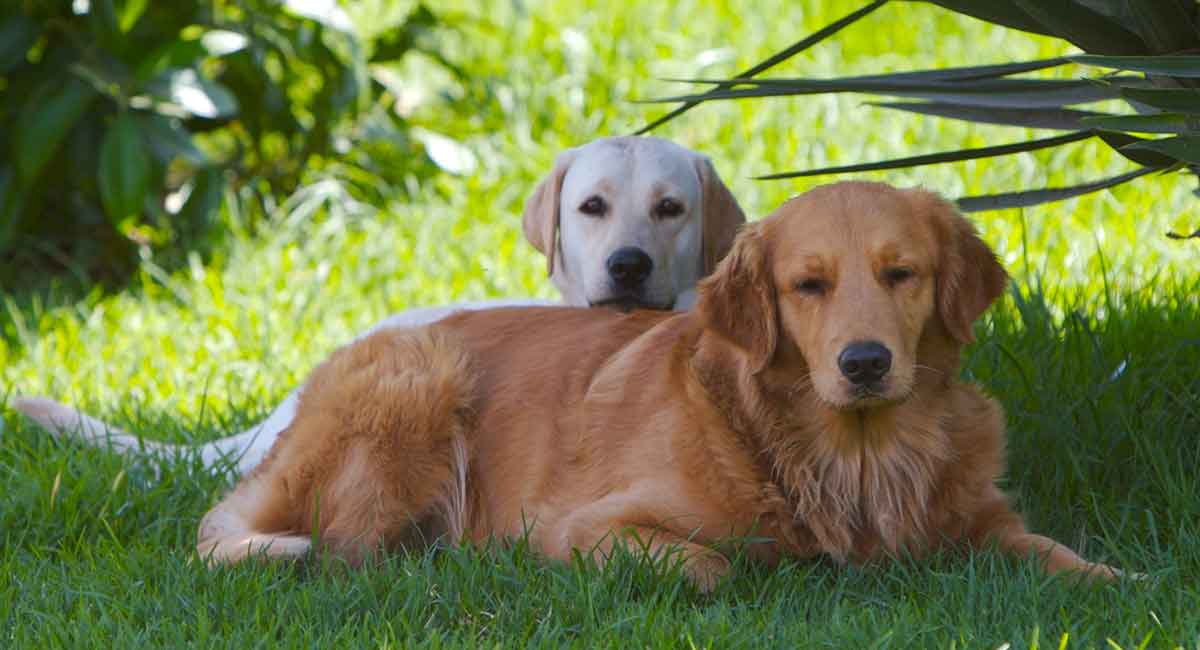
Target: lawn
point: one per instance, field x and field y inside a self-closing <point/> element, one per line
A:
<point x="1094" y="355"/>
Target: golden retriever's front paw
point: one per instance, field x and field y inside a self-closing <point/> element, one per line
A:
<point x="706" y="570"/>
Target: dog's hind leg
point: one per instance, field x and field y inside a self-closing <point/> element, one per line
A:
<point x="379" y="444"/>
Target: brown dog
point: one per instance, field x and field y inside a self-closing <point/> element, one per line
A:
<point x="811" y="398"/>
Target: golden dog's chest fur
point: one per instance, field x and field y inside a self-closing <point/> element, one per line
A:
<point x="580" y="428"/>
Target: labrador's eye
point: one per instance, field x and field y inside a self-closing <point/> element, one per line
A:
<point x="594" y="206"/>
<point x="668" y="208"/>
<point x="812" y="286"/>
<point x="897" y="274"/>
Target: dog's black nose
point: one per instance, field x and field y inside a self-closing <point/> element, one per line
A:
<point x="865" y="362"/>
<point x="629" y="267"/>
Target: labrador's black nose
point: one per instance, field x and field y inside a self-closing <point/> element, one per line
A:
<point x="865" y="362"/>
<point x="629" y="267"/>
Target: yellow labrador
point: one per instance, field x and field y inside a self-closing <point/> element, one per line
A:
<point x="624" y="222"/>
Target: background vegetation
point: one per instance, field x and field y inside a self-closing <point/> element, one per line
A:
<point x="1093" y="356"/>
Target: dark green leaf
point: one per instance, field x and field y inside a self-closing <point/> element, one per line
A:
<point x="1173" y="66"/>
<point x="1156" y="123"/>
<point x="967" y="73"/>
<point x="124" y="173"/>
<point x="45" y="121"/>
<point x="1048" y="195"/>
<point x="1185" y="148"/>
<point x="395" y="43"/>
<point x="205" y="198"/>
<point x="189" y="52"/>
<point x="1033" y="118"/>
<point x="168" y="140"/>
<point x="1000" y="13"/>
<point x="943" y="157"/>
<point x="1092" y="31"/>
<point x="1120" y="143"/>
<point x="1005" y="93"/>
<point x="17" y="35"/>
<point x="777" y="58"/>
<point x="102" y="16"/>
<point x="1175" y="100"/>
<point x="1164" y="25"/>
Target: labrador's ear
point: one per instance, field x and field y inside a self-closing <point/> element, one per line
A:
<point x="721" y="216"/>
<point x="969" y="277"/>
<point x="541" y="218"/>
<point x="738" y="300"/>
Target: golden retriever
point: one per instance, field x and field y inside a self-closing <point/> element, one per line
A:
<point x="811" y="398"/>
<point x="623" y="221"/>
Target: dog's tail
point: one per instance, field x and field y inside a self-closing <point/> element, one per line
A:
<point x="66" y="423"/>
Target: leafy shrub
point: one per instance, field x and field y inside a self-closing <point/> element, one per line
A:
<point x="124" y="124"/>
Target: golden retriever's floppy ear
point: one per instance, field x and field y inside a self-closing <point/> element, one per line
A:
<point x="738" y="300"/>
<point x="541" y="217"/>
<point x="969" y="277"/>
<point x="721" y="215"/>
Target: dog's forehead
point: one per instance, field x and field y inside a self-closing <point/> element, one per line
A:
<point x="865" y="217"/>
<point x="636" y="166"/>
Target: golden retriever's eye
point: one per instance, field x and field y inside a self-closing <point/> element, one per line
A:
<point x="668" y="208"/>
<point x="897" y="274"/>
<point x="594" y="206"/>
<point x="812" y="286"/>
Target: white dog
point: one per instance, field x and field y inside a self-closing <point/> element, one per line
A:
<point x="627" y="222"/>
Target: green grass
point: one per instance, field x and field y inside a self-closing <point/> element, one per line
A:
<point x="1097" y="369"/>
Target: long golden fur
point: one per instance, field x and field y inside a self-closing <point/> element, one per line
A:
<point x="740" y="418"/>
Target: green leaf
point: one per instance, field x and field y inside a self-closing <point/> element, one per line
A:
<point x="194" y="94"/>
<point x="168" y="140"/>
<point x="395" y="43"/>
<point x="777" y="58"/>
<point x="1156" y="123"/>
<point x="1004" y="93"/>
<point x="943" y="157"/>
<point x="1172" y="66"/>
<point x="1164" y="25"/>
<point x="205" y="198"/>
<point x="1120" y="143"/>
<point x="124" y="174"/>
<point x="1090" y="30"/>
<point x="190" y="49"/>
<point x="102" y="16"/>
<point x="129" y="13"/>
<point x="963" y="73"/>
<point x="1033" y="118"/>
<point x="1000" y="13"/>
<point x="1185" y="148"/>
<point x="17" y="35"/>
<point x="1048" y="195"/>
<point x="45" y="121"/>
<point x="1175" y="100"/>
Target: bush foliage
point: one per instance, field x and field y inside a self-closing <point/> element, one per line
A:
<point x="124" y="123"/>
